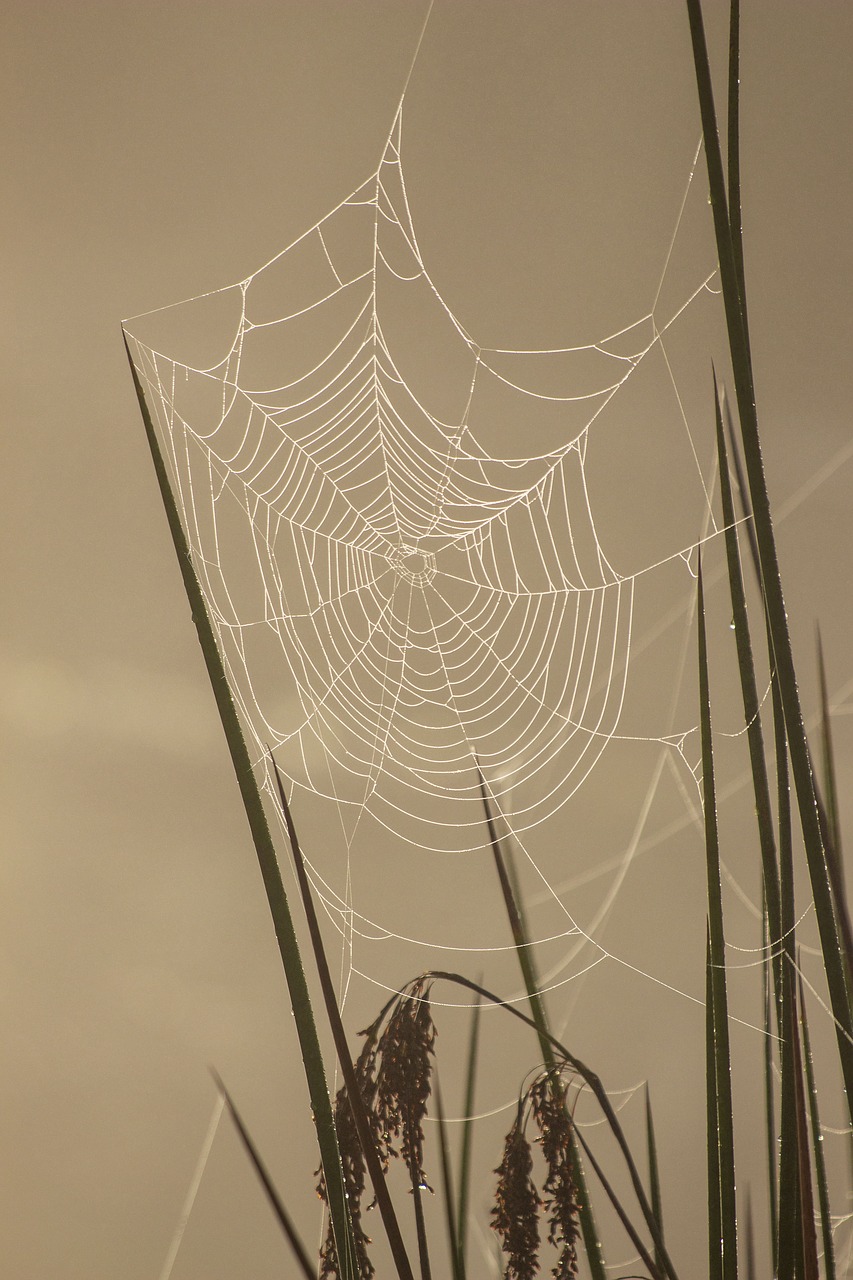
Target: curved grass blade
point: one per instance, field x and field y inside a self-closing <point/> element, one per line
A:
<point x="306" y="1030"/>
<point x="589" y="1232"/>
<point x="722" y="1079"/>
<point x="736" y="324"/>
<point x="371" y="1155"/>
<point x="306" y="1266"/>
<point x="598" y="1091"/>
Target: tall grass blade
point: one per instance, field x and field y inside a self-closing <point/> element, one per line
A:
<point x="712" y="1129"/>
<point x="589" y="1232"/>
<point x="809" y="1269"/>
<point x="717" y="954"/>
<point x="769" y="1105"/>
<point x="770" y="576"/>
<point x="371" y="1155"/>
<point x="420" y="1227"/>
<point x="751" y="1273"/>
<point x="733" y="152"/>
<point x="447" y="1191"/>
<point x="817" y="1147"/>
<point x="789" y="1247"/>
<point x="654" y="1174"/>
<point x="467" y="1137"/>
<point x="306" y="1030"/>
<point x="830" y="789"/>
<point x="828" y="808"/>
<point x="751" y="703"/>
<point x="306" y="1266"/>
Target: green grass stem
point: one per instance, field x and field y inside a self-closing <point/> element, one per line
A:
<point x="368" y="1147"/>
<point x="817" y="1146"/>
<point x="306" y="1029"/>
<point x="467" y="1137"/>
<point x="447" y="1190"/>
<point x="722" y="1078"/>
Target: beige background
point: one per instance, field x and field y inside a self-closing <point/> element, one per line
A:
<point x="152" y="152"/>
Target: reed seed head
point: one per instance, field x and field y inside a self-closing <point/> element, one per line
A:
<point x="515" y="1216"/>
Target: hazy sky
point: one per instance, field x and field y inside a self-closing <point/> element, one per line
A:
<point x="154" y="152"/>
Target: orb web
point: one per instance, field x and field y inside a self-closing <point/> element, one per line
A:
<point x="398" y="603"/>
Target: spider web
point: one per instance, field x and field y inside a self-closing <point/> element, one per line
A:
<point x="397" y="604"/>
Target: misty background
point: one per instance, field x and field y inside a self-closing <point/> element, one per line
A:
<point x="155" y="152"/>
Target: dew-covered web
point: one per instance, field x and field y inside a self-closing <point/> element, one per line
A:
<point x="397" y="603"/>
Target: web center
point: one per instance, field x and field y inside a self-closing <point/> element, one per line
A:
<point x="413" y="565"/>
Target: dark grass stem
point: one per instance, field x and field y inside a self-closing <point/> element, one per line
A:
<point x="362" y="1124"/>
<point x="306" y="1030"/>
<point x="467" y="1138"/>
<point x="722" y="1081"/>
<point x="769" y="1094"/>
<point x="817" y="1146"/>
<point x="788" y="1247"/>
<point x="751" y="703"/>
<point x="712" y="1129"/>
<point x="654" y="1174"/>
<point x="306" y="1266"/>
<point x="447" y="1190"/>
<point x="809" y="1269"/>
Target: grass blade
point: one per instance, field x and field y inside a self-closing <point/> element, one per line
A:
<point x="751" y="1272"/>
<point x="830" y="789"/>
<point x="617" y="1205"/>
<point x="447" y="1192"/>
<point x="306" y="1030"/>
<point x="467" y="1137"/>
<point x="722" y="1079"/>
<point x="769" y="1107"/>
<point x="306" y="1266"/>
<point x="733" y="153"/>
<point x="809" y="1269"/>
<point x="751" y="704"/>
<point x="817" y="1147"/>
<point x="371" y="1155"/>
<point x="770" y="575"/>
<point x="789" y="1247"/>
<point x="654" y="1175"/>
<point x="712" y="1127"/>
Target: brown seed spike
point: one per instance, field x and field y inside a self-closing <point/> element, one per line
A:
<point x="352" y="1161"/>
<point x="403" y="1080"/>
<point x="548" y="1096"/>
<point x="515" y="1216"/>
